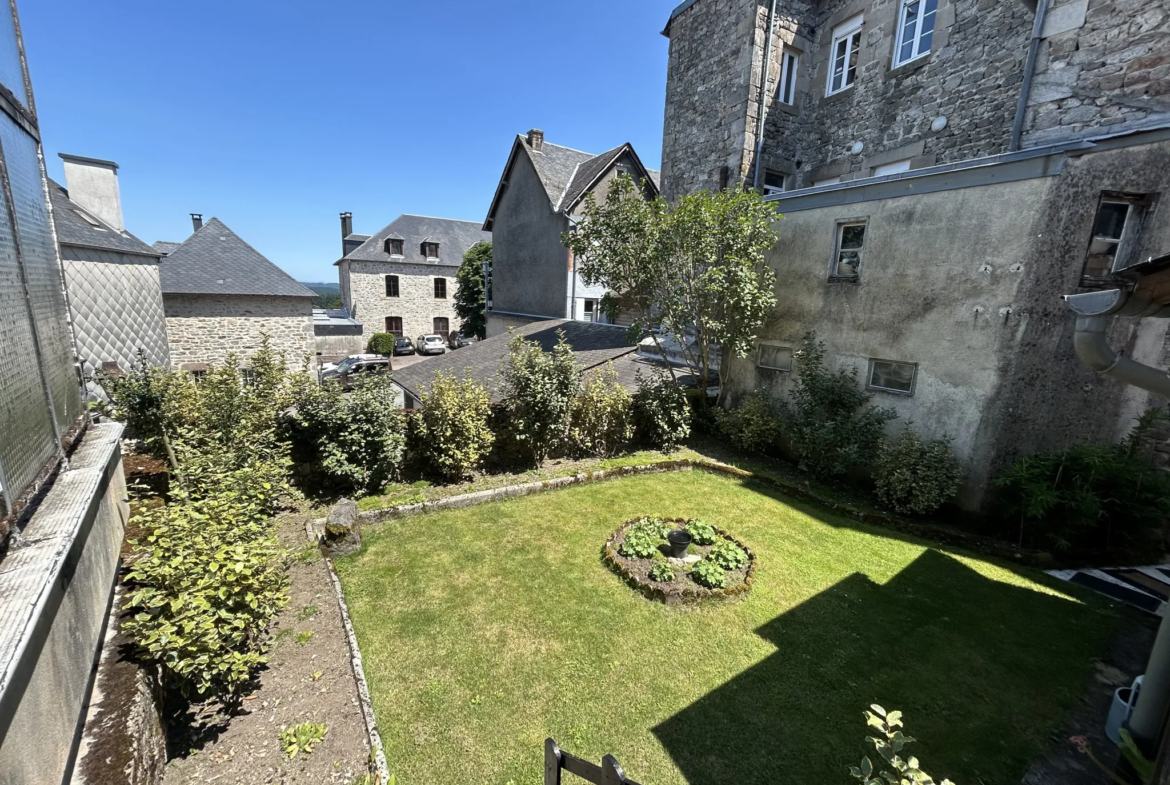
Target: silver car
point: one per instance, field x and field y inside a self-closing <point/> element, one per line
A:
<point x="430" y="344"/>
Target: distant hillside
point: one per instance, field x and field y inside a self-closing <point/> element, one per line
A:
<point x="322" y="287"/>
<point x="328" y="294"/>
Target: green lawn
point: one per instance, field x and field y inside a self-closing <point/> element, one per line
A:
<point x="487" y="629"/>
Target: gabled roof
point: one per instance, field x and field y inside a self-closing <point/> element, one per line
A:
<point x="215" y="260"/>
<point x="165" y="247"/>
<point x="76" y="226"/>
<point x="566" y="174"/>
<point x="454" y="239"/>
<point x="593" y="345"/>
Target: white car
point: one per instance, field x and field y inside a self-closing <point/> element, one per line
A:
<point x="430" y="344"/>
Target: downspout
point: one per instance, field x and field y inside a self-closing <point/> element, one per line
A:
<point x="766" y="71"/>
<point x="1029" y="70"/>
<point x="1095" y="310"/>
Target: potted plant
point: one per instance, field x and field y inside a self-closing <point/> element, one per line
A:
<point x="679" y="539"/>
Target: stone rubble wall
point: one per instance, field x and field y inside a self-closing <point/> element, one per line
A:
<point x="206" y="328"/>
<point x="416" y="303"/>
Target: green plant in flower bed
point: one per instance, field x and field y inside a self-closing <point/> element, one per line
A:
<point x="728" y="555"/>
<point x="655" y="527"/>
<point x="662" y="572"/>
<point x="708" y="573"/>
<point x="702" y="533"/>
<point x="302" y="738"/>
<point x="640" y="543"/>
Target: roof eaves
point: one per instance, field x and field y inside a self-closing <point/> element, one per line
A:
<point x="676" y="13"/>
<point x="491" y="216"/>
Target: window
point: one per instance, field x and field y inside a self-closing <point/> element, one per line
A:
<point x="442" y="327"/>
<point x="774" y="358"/>
<point x="590" y="310"/>
<point x="440" y="288"/>
<point x="393" y="247"/>
<point x="1114" y="230"/>
<point x="391" y="285"/>
<point x="850" y="244"/>
<point x="827" y="181"/>
<point x="431" y="250"/>
<point x="248" y="376"/>
<point x="843" y="56"/>
<point x="915" y="29"/>
<point x="892" y="168"/>
<point x="788" y="64"/>
<point x="891" y="376"/>
<point x="394" y="326"/>
<point x="774" y="182"/>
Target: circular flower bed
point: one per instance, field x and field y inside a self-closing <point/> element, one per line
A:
<point x="677" y="560"/>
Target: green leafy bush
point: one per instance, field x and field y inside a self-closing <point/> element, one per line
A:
<point x="830" y="423"/>
<point x="662" y="572"/>
<point x="639" y="543"/>
<point x="302" y="738"/>
<point x="708" y="573"/>
<point x="655" y="527"/>
<point x="382" y="343"/>
<point x="602" y="415"/>
<point x="728" y="555"/>
<point x="451" y="434"/>
<point x="888" y="741"/>
<point x="1089" y="498"/>
<point x="662" y="416"/>
<point x="539" y="389"/>
<point x="755" y="425"/>
<point x="914" y="476"/>
<point x="702" y="533"/>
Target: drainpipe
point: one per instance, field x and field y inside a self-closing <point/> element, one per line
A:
<point x="766" y="72"/>
<point x="1029" y="70"/>
<point x="1095" y="310"/>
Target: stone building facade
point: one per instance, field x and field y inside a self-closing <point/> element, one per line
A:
<point x="402" y="279"/>
<point x="205" y="328"/>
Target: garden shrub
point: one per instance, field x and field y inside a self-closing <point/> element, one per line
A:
<point x="602" y="416"/>
<point x="829" y="421"/>
<point x="728" y="555"/>
<point x="702" y="533"/>
<point x="708" y="573"/>
<point x="1091" y="497"/>
<point x="662" y="572"/>
<point x="539" y="389"/>
<point x="755" y="425"/>
<point x="914" y="476"/>
<point x="662" y="416"/>
<point x="889" y="740"/>
<point x="451" y="433"/>
<point x="382" y="343"/>
<point x="356" y="438"/>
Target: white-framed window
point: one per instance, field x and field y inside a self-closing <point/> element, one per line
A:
<point x="891" y="376"/>
<point x="774" y="182"/>
<point x="774" y="358"/>
<point x="789" y="61"/>
<point x="915" y="30"/>
<point x="849" y="249"/>
<point x="892" y="168"/>
<point x="843" y="56"/>
<point x="827" y="181"/>
<point x="1114" y="229"/>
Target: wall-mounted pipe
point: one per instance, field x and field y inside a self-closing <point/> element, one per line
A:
<point x="765" y="72"/>
<point x="1095" y="352"/>
<point x="1029" y="70"/>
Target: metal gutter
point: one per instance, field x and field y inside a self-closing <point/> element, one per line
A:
<point x="1029" y="71"/>
<point x="765" y="72"/>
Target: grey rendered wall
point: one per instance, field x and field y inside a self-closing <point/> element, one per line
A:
<point x="529" y="263"/>
<point x="205" y="328"/>
<point x="56" y="591"/>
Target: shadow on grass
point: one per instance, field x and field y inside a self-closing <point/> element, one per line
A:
<point x="981" y="668"/>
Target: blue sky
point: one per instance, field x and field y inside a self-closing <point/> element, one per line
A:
<point x="275" y="117"/>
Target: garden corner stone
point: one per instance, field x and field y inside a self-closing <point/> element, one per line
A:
<point x="343" y="533"/>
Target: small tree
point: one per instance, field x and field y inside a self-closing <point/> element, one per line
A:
<point x="602" y="416"/>
<point x="451" y="432"/>
<point x="382" y="343"/>
<point x="470" y="299"/>
<point x="540" y="387"/>
<point x="695" y="269"/>
<point x="662" y="415"/>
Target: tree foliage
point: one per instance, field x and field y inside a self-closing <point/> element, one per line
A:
<point x="695" y="269"/>
<point x="470" y="300"/>
<point x="539" y="390"/>
<point x="382" y="343"/>
<point x="451" y="434"/>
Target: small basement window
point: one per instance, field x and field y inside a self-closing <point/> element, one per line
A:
<point x="788" y="65"/>
<point x="849" y="249"/>
<point x="892" y="168"/>
<point x="393" y="247"/>
<point x="774" y="182"/>
<point x="892" y="376"/>
<point x="440" y="288"/>
<point x="774" y="358"/>
<point x="392" y="286"/>
<point x="1115" y="229"/>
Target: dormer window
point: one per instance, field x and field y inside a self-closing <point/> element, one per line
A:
<point x="430" y="250"/>
<point x="393" y="246"/>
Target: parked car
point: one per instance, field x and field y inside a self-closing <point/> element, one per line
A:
<point x="352" y="368"/>
<point x="327" y="367"/>
<point x="403" y="346"/>
<point x="459" y="340"/>
<point x="430" y="344"/>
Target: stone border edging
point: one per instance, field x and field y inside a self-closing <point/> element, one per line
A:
<point x="359" y="674"/>
<point x="926" y="531"/>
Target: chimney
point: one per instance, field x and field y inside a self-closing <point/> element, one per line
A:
<point x="536" y="139"/>
<point x="196" y="221"/>
<point x="93" y="184"/>
<point x="346" y="230"/>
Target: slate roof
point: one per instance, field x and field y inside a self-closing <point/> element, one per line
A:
<point x="593" y="344"/>
<point x="165" y="246"/>
<point x="214" y="260"/>
<point x="454" y="239"/>
<point x="74" y="230"/>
